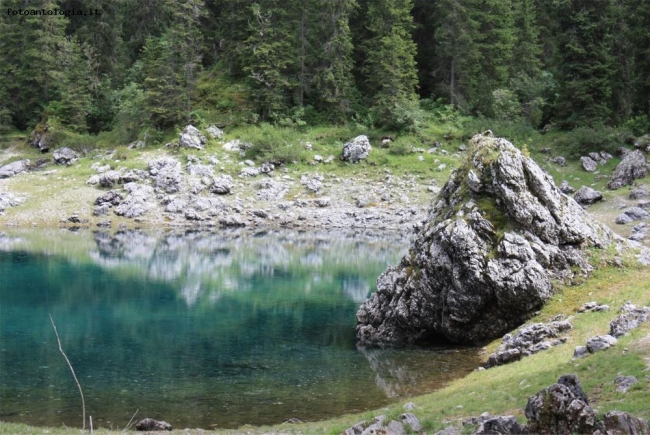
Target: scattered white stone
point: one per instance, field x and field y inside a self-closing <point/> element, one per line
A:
<point x="215" y="132"/>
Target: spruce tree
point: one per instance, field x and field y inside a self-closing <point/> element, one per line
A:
<point x="30" y="68"/>
<point x="457" y="52"/>
<point x="334" y="64"/>
<point x="390" y="70"/>
<point x="269" y="58"/>
<point x="171" y="64"/>
<point x="495" y="44"/>
<point x="585" y="62"/>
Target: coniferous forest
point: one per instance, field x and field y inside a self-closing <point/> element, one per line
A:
<point x="135" y="66"/>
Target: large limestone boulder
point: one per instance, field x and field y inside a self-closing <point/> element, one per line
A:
<point x="632" y="166"/>
<point x="138" y="202"/>
<point x="357" y="149"/>
<point x="495" y="238"/>
<point x="587" y="196"/>
<point x="65" y="156"/>
<point x="14" y="168"/>
<point x="167" y="174"/>
<point x="191" y="137"/>
<point x="562" y="408"/>
<point x="588" y="164"/>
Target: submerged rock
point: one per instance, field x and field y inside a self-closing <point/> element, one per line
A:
<point x="149" y="424"/>
<point x="495" y="238"/>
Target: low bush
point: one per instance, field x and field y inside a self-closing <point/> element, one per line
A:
<point x="583" y="140"/>
<point x="401" y="147"/>
<point x="274" y="144"/>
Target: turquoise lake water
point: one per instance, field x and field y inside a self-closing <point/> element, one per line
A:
<point x="202" y="330"/>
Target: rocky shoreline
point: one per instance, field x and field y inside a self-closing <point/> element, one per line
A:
<point x="198" y="191"/>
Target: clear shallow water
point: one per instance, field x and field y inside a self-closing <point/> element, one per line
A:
<point x="199" y="329"/>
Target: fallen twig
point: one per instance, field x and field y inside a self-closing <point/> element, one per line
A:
<point x="131" y="421"/>
<point x="83" y="402"/>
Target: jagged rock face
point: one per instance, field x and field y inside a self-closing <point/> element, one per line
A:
<point x="495" y="237"/>
<point x="167" y="174"/>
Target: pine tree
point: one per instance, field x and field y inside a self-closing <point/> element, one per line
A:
<point x="74" y="100"/>
<point x="390" y="70"/>
<point x="631" y="49"/>
<point x="269" y="58"/>
<point x="171" y="64"/>
<point x="30" y="69"/>
<point x="333" y="77"/>
<point x="585" y="62"/>
<point x="527" y="51"/>
<point x="495" y="45"/>
<point x="457" y="52"/>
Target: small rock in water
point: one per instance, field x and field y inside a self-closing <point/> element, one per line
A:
<point x="149" y="424"/>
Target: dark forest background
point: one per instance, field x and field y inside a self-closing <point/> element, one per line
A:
<point x="159" y="64"/>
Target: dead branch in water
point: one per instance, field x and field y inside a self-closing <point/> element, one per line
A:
<point x="83" y="402"/>
<point x="131" y="421"/>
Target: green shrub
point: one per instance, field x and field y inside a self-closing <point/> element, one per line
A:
<point x="584" y="140"/>
<point x="403" y="116"/>
<point x="638" y="125"/>
<point x="506" y="105"/>
<point x="400" y="147"/>
<point x="274" y="144"/>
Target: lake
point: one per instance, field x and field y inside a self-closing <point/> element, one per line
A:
<point x="201" y="329"/>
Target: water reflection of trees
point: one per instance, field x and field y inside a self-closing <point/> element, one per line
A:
<point x="206" y="264"/>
